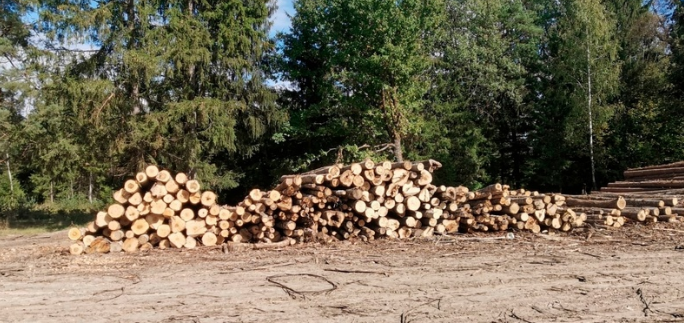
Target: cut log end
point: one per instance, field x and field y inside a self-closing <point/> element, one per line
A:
<point x="116" y="211"/>
<point x="181" y="178"/>
<point x="209" y="239"/>
<point x="208" y="198"/>
<point x="141" y="178"/>
<point x="151" y="171"/>
<point x="130" y="245"/>
<point x="76" y="248"/>
<point x="192" y="186"/>
<point x="131" y="186"/>
<point x="75" y="234"/>
<point x="163" y="176"/>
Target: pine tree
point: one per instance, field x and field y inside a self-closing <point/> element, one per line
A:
<point x="676" y="31"/>
<point x="635" y="136"/>
<point x="670" y="134"/>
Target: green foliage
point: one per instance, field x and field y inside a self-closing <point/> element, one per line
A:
<point x="671" y="134"/>
<point x="484" y="89"/>
<point x="496" y="91"/>
<point x="676" y="33"/>
<point x="177" y="83"/>
<point x="642" y="121"/>
<point x="582" y="70"/>
<point x="40" y="219"/>
<point x="11" y="198"/>
<point x="360" y="68"/>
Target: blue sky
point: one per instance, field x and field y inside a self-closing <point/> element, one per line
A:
<point x="281" y="22"/>
<point x="280" y="19"/>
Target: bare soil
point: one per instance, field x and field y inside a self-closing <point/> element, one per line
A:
<point x="632" y="275"/>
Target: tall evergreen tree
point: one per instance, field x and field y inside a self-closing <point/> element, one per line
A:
<point x="15" y="51"/>
<point x="360" y="68"/>
<point x="581" y="77"/>
<point x="489" y="53"/>
<point x="637" y="128"/>
<point x="677" y="47"/>
<point x="671" y="136"/>
<point x="178" y="83"/>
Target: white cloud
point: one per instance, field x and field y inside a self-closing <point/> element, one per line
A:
<point x="281" y="22"/>
<point x="281" y="85"/>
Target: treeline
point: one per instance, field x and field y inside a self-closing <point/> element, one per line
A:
<point x="549" y="95"/>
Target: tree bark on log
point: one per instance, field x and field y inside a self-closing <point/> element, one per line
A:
<point x="653" y="184"/>
<point x="618" y="203"/>
<point x="662" y="171"/>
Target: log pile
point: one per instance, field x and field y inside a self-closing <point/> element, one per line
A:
<point x="498" y="208"/>
<point x="652" y="193"/>
<point x="155" y="209"/>
<point x="665" y="179"/>
<point x="364" y="201"/>
<point x="398" y="200"/>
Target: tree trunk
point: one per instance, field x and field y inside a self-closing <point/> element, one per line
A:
<point x="398" y="153"/>
<point x="135" y="88"/>
<point x="652" y="167"/>
<point x="136" y="99"/>
<point x="663" y="184"/>
<point x="90" y="188"/>
<point x="52" y="194"/>
<point x="191" y="67"/>
<point x="390" y="108"/>
<point x="618" y="203"/>
<point x="517" y="157"/>
<point x="591" y="125"/>
<point x="657" y="173"/>
<point x="9" y="173"/>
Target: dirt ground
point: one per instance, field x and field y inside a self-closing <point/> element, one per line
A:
<point x="631" y="275"/>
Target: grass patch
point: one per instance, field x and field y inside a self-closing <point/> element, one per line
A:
<point x="24" y="231"/>
<point x="41" y="220"/>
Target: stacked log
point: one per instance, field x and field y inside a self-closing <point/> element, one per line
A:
<point x="652" y="193"/>
<point x="498" y="208"/>
<point x="398" y="200"/>
<point x="155" y="209"/>
<point x="364" y="200"/>
<point x="656" y="179"/>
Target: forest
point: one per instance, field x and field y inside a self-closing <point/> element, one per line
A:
<point x="560" y="96"/>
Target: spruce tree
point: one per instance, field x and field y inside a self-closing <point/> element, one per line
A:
<point x="360" y="68"/>
<point x="637" y="128"/>
<point x="177" y="83"/>
<point x="15" y="55"/>
<point x="489" y="54"/>
<point x="582" y="71"/>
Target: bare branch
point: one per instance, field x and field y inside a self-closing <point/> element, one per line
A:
<point x="52" y="47"/>
<point x="9" y="59"/>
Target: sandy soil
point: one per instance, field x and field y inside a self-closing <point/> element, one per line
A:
<point x="631" y="275"/>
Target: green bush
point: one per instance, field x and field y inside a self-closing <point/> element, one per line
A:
<point x="12" y="196"/>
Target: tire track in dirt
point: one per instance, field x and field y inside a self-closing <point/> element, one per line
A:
<point x="524" y="280"/>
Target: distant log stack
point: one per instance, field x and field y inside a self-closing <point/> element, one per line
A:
<point x="652" y="193"/>
<point x="654" y="180"/>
